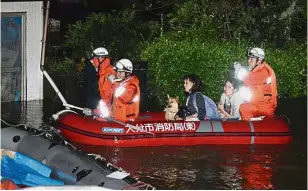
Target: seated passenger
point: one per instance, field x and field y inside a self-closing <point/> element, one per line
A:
<point x="230" y="101"/>
<point x="200" y="107"/>
<point x="261" y="87"/>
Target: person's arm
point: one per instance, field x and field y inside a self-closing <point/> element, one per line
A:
<point x="226" y="114"/>
<point x="220" y="104"/>
<point x="220" y="107"/>
<point x="201" y="108"/>
<point x="236" y="101"/>
<point x="178" y="114"/>
<point x="105" y="86"/>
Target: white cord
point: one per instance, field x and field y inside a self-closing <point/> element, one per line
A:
<point x="13" y="125"/>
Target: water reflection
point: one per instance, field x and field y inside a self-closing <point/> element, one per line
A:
<point x="207" y="166"/>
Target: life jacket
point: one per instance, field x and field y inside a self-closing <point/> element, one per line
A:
<point x="210" y="106"/>
<point x="105" y="87"/>
<point x="126" y="99"/>
<point x="262" y="81"/>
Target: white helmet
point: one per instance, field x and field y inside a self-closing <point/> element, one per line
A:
<point x="256" y="53"/>
<point x="124" y="65"/>
<point x="100" y="52"/>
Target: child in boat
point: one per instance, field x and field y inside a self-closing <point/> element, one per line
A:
<point x="230" y="101"/>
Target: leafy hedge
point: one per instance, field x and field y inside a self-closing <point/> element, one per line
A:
<point x="277" y="22"/>
<point x="120" y="33"/>
<point x="169" y="60"/>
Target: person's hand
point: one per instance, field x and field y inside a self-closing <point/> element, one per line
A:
<point x="102" y="109"/>
<point x="113" y="79"/>
<point x="242" y="73"/>
<point x="87" y="111"/>
<point x="224" y="118"/>
<point x="220" y="107"/>
<point x="239" y="71"/>
<point x="176" y="117"/>
<point x="237" y="65"/>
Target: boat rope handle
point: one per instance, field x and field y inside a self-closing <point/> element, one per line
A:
<point x="288" y="120"/>
<point x="45" y="130"/>
<point x="8" y="124"/>
<point x="56" y="116"/>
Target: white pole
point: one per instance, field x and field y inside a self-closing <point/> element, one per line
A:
<point x="54" y="87"/>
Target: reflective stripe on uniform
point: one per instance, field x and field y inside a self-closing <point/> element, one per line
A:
<point x="136" y="98"/>
<point x="269" y="80"/>
<point x="119" y="91"/>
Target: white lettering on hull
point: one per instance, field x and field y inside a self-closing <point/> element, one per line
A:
<point x="164" y="127"/>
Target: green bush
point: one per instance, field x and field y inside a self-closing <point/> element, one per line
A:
<point x="120" y="33"/>
<point x="65" y="67"/>
<point x="169" y="60"/>
<point x="290" y="66"/>
<point x="277" y="22"/>
<point x="60" y="65"/>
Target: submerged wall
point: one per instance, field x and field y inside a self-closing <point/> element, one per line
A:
<point x="21" y="35"/>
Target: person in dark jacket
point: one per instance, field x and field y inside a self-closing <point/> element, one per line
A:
<point x="200" y="107"/>
<point x="91" y="94"/>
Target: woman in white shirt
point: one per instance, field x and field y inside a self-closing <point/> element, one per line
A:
<point x="230" y="101"/>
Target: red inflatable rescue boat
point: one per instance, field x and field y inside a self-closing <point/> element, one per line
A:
<point x="151" y="129"/>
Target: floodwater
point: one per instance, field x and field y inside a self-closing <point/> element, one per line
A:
<point x="198" y="167"/>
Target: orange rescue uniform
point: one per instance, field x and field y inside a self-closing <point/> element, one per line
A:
<point x="104" y="85"/>
<point x="262" y="82"/>
<point x="126" y="99"/>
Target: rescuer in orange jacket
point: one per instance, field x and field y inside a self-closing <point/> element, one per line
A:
<point x="261" y="93"/>
<point x="101" y="61"/>
<point x="126" y="96"/>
